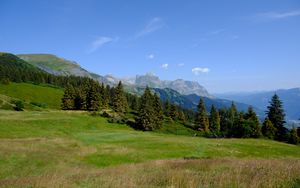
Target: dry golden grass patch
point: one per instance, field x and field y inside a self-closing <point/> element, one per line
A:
<point x="174" y="173"/>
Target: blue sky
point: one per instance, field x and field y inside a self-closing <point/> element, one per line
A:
<point x="230" y="45"/>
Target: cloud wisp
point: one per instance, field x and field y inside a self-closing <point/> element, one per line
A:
<point x="164" y="66"/>
<point x="99" y="42"/>
<point x="153" y="25"/>
<point x="150" y="56"/>
<point x="270" y="16"/>
<point x="180" y="64"/>
<point x="198" y="70"/>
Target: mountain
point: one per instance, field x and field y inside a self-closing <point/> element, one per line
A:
<point x="183" y="87"/>
<point x="60" y="66"/>
<point x="289" y="97"/>
<point x="181" y="92"/>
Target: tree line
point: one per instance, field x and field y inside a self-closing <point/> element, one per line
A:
<point x="231" y="123"/>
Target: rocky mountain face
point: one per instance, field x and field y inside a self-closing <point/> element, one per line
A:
<point x="183" y="87"/>
<point x="60" y="66"/>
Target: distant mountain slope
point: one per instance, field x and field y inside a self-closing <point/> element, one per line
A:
<point x="59" y="66"/>
<point x="183" y="87"/>
<point x="289" y="97"/>
<point x="191" y="101"/>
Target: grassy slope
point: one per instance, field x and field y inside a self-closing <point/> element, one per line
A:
<point x="48" y="60"/>
<point x="31" y="93"/>
<point x="75" y="149"/>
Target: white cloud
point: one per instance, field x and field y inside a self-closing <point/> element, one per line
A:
<point x="99" y="42"/>
<point x="164" y="66"/>
<point x="180" y="64"/>
<point x="199" y="70"/>
<point x="269" y="16"/>
<point x="150" y="56"/>
<point x="152" y="26"/>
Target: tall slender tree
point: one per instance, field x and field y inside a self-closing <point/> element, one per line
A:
<point x="276" y="115"/>
<point x="214" y="120"/>
<point x="201" y="120"/>
<point x="146" y="120"/>
<point x="158" y="111"/>
<point x="120" y="104"/>
<point x="68" y="98"/>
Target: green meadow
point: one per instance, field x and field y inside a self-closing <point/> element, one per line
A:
<point x="78" y="149"/>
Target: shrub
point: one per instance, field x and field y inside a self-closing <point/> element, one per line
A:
<point x="19" y="105"/>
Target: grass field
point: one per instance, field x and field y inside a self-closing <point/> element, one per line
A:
<point x="75" y="149"/>
<point x="31" y="94"/>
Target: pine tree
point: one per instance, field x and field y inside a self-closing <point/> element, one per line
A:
<point x="158" y="111"/>
<point x="68" y="98"/>
<point x="93" y="100"/>
<point x="135" y="103"/>
<point x="181" y="116"/>
<point x="167" y="108"/>
<point x="146" y="120"/>
<point x="173" y="112"/>
<point x="119" y="102"/>
<point x="201" y="120"/>
<point x="80" y="99"/>
<point x="214" y="120"/>
<point x="268" y="130"/>
<point x="255" y="129"/>
<point x="276" y="115"/>
<point x="293" y="137"/>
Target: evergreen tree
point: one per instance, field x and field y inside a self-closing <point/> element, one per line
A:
<point x="214" y="120"/>
<point x="119" y="102"/>
<point x="173" y="112"/>
<point x="158" y="111"/>
<point x="93" y="100"/>
<point x="268" y="129"/>
<point x="181" y="116"/>
<point x="293" y="136"/>
<point x="201" y="120"/>
<point x="80" y="99"/>
<point x="146" y="120"/>
<point x="106" y="97"/>
<point x="68" y="98"/>
<point x="255" y="129"/>
<point x="276" y="115"/>
<point x="135" y="103"/>
<point x="167" y="108"/>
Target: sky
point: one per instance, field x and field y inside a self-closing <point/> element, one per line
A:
<point x="227" y="46"/>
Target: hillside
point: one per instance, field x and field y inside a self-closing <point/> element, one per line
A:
<point x="33" y="95"/>
<point x="75" y="149"/>
<point x="289" y="97"/>
<point x="59" y="66"/>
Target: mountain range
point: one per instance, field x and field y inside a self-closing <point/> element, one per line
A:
<point x="289" y="97"/>
<point x="181" y="92"/>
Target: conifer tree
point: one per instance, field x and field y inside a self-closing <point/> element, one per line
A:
<point x="255" y="129"/>
<point x="158" y="111"/>
<point x="80" y="99"/>
<point x="146" y="120"/>
<point x="181" y="116"/>
<point x="268" y="130"/>
<point x="293" y="136"/>
<point x="167" y="108"/>
<point x="135" y="103"/>
<point x="119" y="102"/>
<point x="201" y="120"/>
<point x="276" y="115"/>
<point x="214" y="120"/>
<point x="173" y="112"/>
<point x="68" y="98"/>
<point x="93" y="100"/>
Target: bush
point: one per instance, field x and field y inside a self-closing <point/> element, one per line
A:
<point x="19" y="105"/>
<point x="5" y="81"/>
